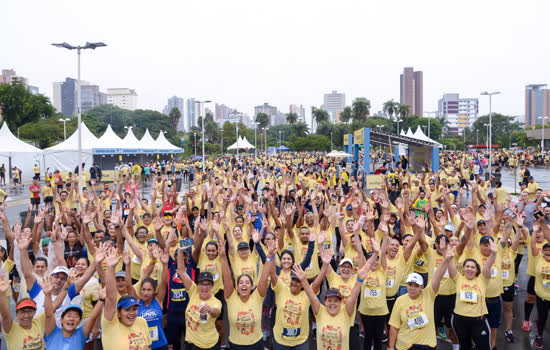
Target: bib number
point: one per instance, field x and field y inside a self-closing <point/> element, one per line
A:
<point x="390" y="283"/>
<point x="494" y="273"/>
<point x="154" y="332"/>
<point x="468" y="296"/>
<point x="418" y="321"/>
<point x="546" y="284"/>
<point x="291" y="332"/>
<point x="126" y="212"/>
<point x="505" y="274"/>
<point x="372" y="293"/>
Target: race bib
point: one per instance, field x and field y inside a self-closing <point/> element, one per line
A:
<point x="468" y="296"/>
<point x="505" y="274"/>
<point x="135" y="259"/>
<point x="154" y="332"/>
<point x="216" y="276"/>
<point x="494" y="273"/>
<point x="326" y="246"/>
<point x="418" y="321"/>
<point x="91" y="225"/>
<point x="372" y="293"/>
<point x="546" y="284"/>
<point x="389" y="283"/>
<point x="158" y="203"/>
<point x="291" y="332"/>
<point x="126" y="212"/>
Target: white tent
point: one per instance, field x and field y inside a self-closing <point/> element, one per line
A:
<point x="246" y="144"/>
<point x="22" y="155"/>
<point x="64" y="156"/>
<point x="148" y="144"/>
<point x="419" y="134"/>
<point x="241" y="143"/>
<point x="164" y="146"/>
<point x="109" y="143"/>
<point x="131" y="143"/>
<point x="409" y="133"/>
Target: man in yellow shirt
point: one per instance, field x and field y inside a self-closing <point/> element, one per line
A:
<point x="36" y="170"/>
<point x="532" y="188"/>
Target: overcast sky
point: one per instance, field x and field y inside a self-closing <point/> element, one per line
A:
<point x="245" y="53"/>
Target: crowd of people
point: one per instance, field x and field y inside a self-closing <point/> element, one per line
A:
<point x="276" y="252"/>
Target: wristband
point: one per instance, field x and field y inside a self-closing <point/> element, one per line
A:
<point x="154" y="261"/>
<point x="359" y="280"/>
<point x="65" y="288"/>
<point x="270" y="259"/>
<point x="102" y="300"/>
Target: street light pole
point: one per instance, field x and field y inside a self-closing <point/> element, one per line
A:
<point x="237" y="131"/>
<point x="92" y="46"/>
<point x="65" y="120"/>
<point x="477" y="137"/>
<point x="398" y="121"/>
<point x="195" y="135"/>
<point x="202" y="129"/>
<point x="542" y="140"/>
<point x="490" y="94"/>
<point x="255" y="146"/>
<point x="331" y="141"/>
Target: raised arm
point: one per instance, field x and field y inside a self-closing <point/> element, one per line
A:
<point x="438" y="274"/>
<point x="112" y="260"/>
<point x="182" y="271"/>
<point x="301" y="274"/>
<point x="489" y="263"/>
<point x="7" y="320"/>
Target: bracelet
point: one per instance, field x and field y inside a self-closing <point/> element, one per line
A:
<point x="359" y="280"/>
<point x="270" y="259"/>
<point x="154" y="261"/>
<point x="65" y="288"/>
<point x="102" y="300"/>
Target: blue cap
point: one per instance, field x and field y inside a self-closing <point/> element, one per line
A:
<point x="349" y="207"/>
<point x="153" y="240"/>
<point x="72" y="307"/>
<point x="126" y="302"/>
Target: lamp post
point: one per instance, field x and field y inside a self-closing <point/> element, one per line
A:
<point x="221" y="136"/>
<point x="195" y="135"/>
<point x="202" y="129"/>
<point x="429" y="119"/>
<point x="237" y="132"/>
<point x="255" y="147"/>
<point x="398" y="121"/>
<point x="331" y="141"/>
<point x="265" y="139"/>
<point x="542" y="140"/>
<point x="490" y="94"/>
<point x="280" y="139"/>
<point x="64" y="127"/>
<point x="477" y="137"/>
<point x="487" y="143"/>
<point x="379" y="127"/>
<point x="78" y="48"/>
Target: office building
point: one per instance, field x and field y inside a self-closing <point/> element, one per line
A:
<point x="271" y="111"/>
<point x="222" y="112"/>
<point x="57" y="96"/>
<point x="298" y="110"/>
<point x="65" y="99"/>
<point x="411" y="87"/>
<point x="537" y="104"/>
<point x="334" y="103"/>
<point x="9" y="75"/>
<point x="459" y="113"/>
<point x="90" y="96"/>
<point x="192" y="113"/>
<point x="123" y="98"/>
<point x="176" y="102"/>
<point x="68" y="97"/>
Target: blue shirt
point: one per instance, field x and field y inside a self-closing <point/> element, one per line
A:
<point x="56" y="340"/>
<point x="153" y="315"/>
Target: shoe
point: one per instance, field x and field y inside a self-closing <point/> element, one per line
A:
<point x="441" y="333"/>
<point x="385" y="337"/>
<point x="538" y="342"/>
<point x="526" y="326"/>
<point x="509" y="336"/>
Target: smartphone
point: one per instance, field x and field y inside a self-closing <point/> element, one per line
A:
<point x="186" y="243"/>
<point x="510" y="213"/>
<point x="538" y="214"/>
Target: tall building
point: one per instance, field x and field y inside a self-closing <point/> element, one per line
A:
<point x="459" y="112"/>
<point x="271" y="111"/>
<point x="222" y="112"/>
<point x="57" y="96"/>
<point x="65" y="99"/>
<point x="68" y="97"/>
<point x="334" y="103"/>
<point x="300" y="111"/>
<point x="8" y="75"/>
<point x="123" y="98"/>
<point x="90" y="96"/>
<point x="192" y="113"/>
<point x="537" y="104"/>
<point x="412" y="86"/>
<point x="176" y="102"/>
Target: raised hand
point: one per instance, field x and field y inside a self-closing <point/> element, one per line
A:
<point x="375" y="245"/>
<point x="4" y="285"/>
<point x="493" y="247"/>
<point x="165" y="256"/>
<point x="46" y="284"/>
<point x="111" y="258"/>
<point x="39" y="217"/>
<point x="126" y="257"/>
<point x="320" y="238"/>
<point x="221" y="248"/>
<point x="203" y="225"/>
<point x="271" y="248"/>
<point x="256" y="236"/>
<point x="102" y="292"/>
<point x="312" y="236"/>
<point x="300" y="273"/>
<point x="364" y="271"/>
<point x="326" y="256"/>
<point x="63" y="234"/>
<point x="157" y="223"/>
<point x="450" y="252"/>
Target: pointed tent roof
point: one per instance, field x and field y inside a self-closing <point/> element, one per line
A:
<point x="89" y="141"/>
<point x="409" y="133"/>
<point x="131" y="143"/>
<point x="419" y="134"/>
<point x="164" y="146"/>
<point x="148" y="144"/>
<point x="246" y="144"/>
<point x="402" y="133"/>
<point x="10" y="143"/>
<point x="109" y="142"/>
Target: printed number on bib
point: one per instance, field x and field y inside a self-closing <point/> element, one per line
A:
<point x="468" y="296"/>
<point x="546" y="284"/>
<point x="372" y="293"/>
<point x="389" y="283"/>
<point x="291" y="332"/>
<point x="154" y="332"/>
<point x="505" y="274"/>
<point x="494" y="273"/>
<point x="417" y="321"/>
<point x="126" y="212"/>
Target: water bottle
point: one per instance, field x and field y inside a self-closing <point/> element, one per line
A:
<point x="204" y="316"/>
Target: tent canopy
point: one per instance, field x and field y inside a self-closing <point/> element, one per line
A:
<point x="164" y="146"/>
<point x="20" y="153"/>
<point x="241" y="143"/>
<point x="109" y="142"/>
<point x="283" y="148"/>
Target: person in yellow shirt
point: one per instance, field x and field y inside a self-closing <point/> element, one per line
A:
<point x="532" y="188"/>
<point x="36" y="171"/>
<point x="47" y="194"/>
<point x="3" y="196"/>
<point x="542" y="287"/>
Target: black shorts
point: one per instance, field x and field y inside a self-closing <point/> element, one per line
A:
<point x="531" y="286"/>
<point x="35" y="201"/>
<point x="391" y="302"/>
<point x="221" y="297"/>
<point x="60" y="186"/>
<point x="508" y="294"/>
<point x="48" y="199"/>
<point x="443" y="309"/>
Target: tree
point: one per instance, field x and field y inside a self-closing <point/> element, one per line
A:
<point x="310" y="143"/>
<point x="320" y="115"/>
<point x="291" y="118"/>
<point x="175" y="116"/>
<point x="346" y="114"/>
<point x="361" y="108"/>
<point x="403" y="111"/>
<point x="19" y="106"/>
<point x="502" y="125"/>
<point x="300" y="129"/>
<point x="390" y="108"/>
<point x="262" y="119"/>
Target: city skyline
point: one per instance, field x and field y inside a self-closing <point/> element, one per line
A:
<point x="224" y="65"/>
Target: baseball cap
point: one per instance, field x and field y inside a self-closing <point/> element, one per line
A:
<point x="546" y="245"/>
<point x="449" y="228"/>
<point x="415" y="278"/>
<point x="349" y="207"/>
<point x="153" y="240"/>
<point x="126" y="302"/>
<point x="26" y="303"/>
<point x="346" y="260"/>
<point x="481" y="222"/>
<point x="72" y="307"/>
<point x="243" y="245"/>
<point x="62" y="269"/>
<point x="205" y="276"/>
<point x="486" y="239"/>
<point x="293" y="276"/>
<point x="440" y="237"/>
<point x="120" y="274"/>
<point x="333" y="292"/>
<point x="393" y="214"/>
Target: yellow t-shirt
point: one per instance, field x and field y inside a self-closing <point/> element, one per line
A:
<point x="89" y="294"/>
<point x="203" y="335"/>
<point x="47" y="191"/>
<point x="336" y="281"/>
<point x="447" y="285"/>
<point x="333" y="331"/>
<point x="292" y="318"/>
<point x="245" y="267"/>
<point x="507" y="267"/>
<point x="494" y="288"/>
<point x="542" y="277"/>
<point x="412" y="318"/>
<point x="396" y="269"/>
<point x="300" y="251"/>
<point x="245" y="319"/>
<point x="136" y="263"/>
<point x="470" y="296"/>
<point x="20" y="338"/>
<point x="214" y="267"/>
<point x="530" y="258"/>
<point x="116" y="335"/>
<point x="373" y="294"/>
<point x="2" y="195"/>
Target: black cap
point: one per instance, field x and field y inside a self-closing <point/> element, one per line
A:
<point x="242" y="245"/>
<point x="293" y="276"/>
<point x="529" y="178"/>
<point x="546" y="245"/>
<point x="486" y="239"/>
<point x="481" y="222"/>
<point x="440" y="237"/>
<point x="240" y="206"/>
<point x="523" y="183"/>
<point x="393" y="214"/>
<point x="205" y="276"/>
<point x="333" y="292"/>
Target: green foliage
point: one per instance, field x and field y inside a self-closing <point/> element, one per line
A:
<point x="34" y="131"/>
<point x="390" y="108"/>
<point x="19" y="106"/>
<point x="360" y="108"/>
<point x="320" y="115"/>
<point x="300" y="129"/>
<point x="309" y="143"/>
<point x="403" y="110"/>
<point x="175" y="116"/>
<point x="414" y="121"/>
<point x="292" y="118"/>
<point x="263" y="119"/>
<point x="346" y="114"/>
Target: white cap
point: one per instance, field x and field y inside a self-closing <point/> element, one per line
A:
<point x="415" y="278"/>
<point x="60" y="269"/>
<point x="346" y="260"/>
<point x="449" y="227"/>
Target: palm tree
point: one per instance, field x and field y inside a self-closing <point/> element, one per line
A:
<point x="346" y="114"/>
<point x="390" y="108"/>
<point x="291" y="118"/>
<point x="175" y="115"/>
<point x="320" y="114"/>
<point x="361" y="108"/>
<point x="300" y="129"/>
<point x="263" y="119"/>
<point x="403" y="110"/>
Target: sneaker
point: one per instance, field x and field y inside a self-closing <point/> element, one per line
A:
<point x="385" y="337"/>
<point x="526" y="326"/>
<point x="362" y="334"/>
<point x="441" y="333"/>
<point x="509" y="336"/>
<point x="538" y="342"/>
